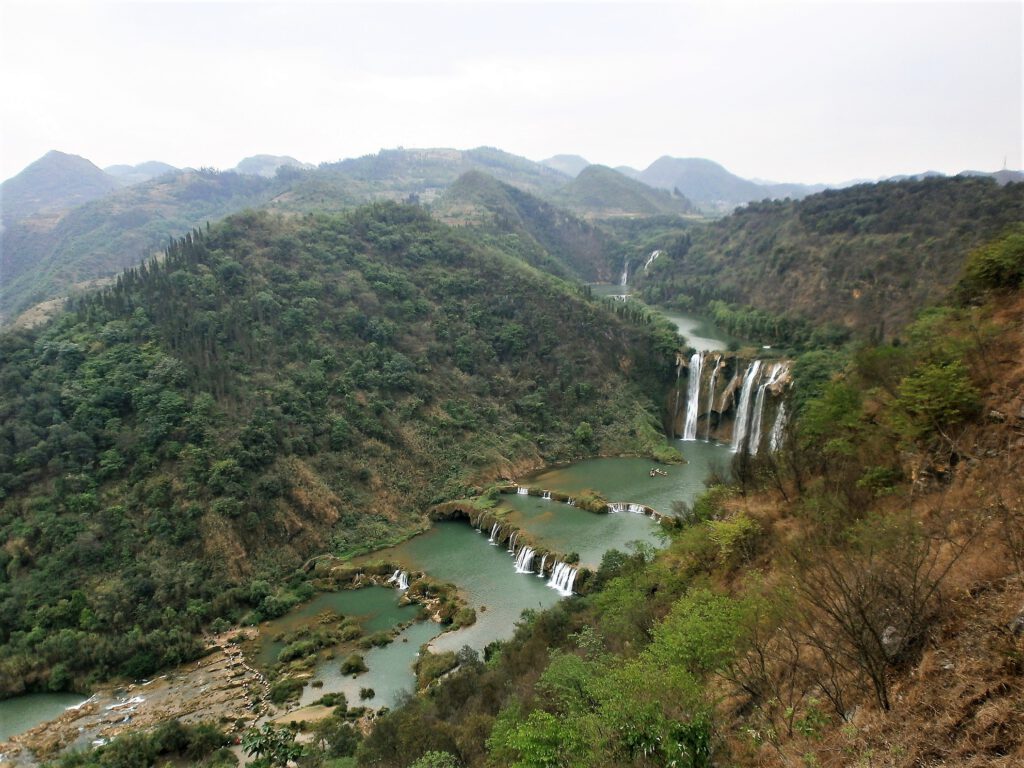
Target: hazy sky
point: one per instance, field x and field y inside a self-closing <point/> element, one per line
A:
<point x="808" y="91"/>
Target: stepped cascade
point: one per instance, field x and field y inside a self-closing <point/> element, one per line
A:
<point x="400" y="579"/>
<point x="495" y="530"/>
<point x="524" y="562"/>
<point x="739" y="433"/>
<point x="693" y="397"/>
<point x="778" y="369"/>
<point x="562" y="578"/>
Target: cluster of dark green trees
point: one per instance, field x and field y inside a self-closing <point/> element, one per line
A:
<point x="268" y="389"/>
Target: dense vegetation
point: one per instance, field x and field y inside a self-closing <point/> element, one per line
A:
<point x="865" y="258"/>
<point x="280" y="385"/>
<point x="801" y="615"/>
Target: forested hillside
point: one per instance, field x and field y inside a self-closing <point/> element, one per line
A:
<point x="601" y="192"/>
<point x="275" y="387"/>
<point x="854" y="599"/>
<point x="55" y="182"/>
<point x="865" y="258"/>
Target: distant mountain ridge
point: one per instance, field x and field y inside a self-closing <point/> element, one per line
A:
<point x="600" y="190"/>
<point x="129" y="175"/>
<point x="267" y="165"/>
<point x="570" y="165"/>
<point x="55" y="182"/>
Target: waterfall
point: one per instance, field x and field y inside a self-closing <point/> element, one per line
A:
<point x="651" y="258"/>
<point x="571" y="502"/>
<point x="540" y="571"/>
<point x="693" y="397"/>
<point x="615" y="507"/>
<point x="522" y="491"/>
<point x="512" y="543"/>
<point x="739" y="430"/>
<point x="755" y="425"/>
<point x="546" y="495"/>
<point x="400" y="579"/>
<point x="524" y="563"/>
<point x="637" y="509"/>
<point x="711" y="395"/>
<point x="775" y="440"/>
<point x="624" y="280"/>
<point x="494" y="532"/>
<point x="562" y="578"/>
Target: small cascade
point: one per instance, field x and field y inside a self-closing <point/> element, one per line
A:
<point x="546" y="495"/>
<point x="739" y="431"/>
<point x="495" y="530"/>
<point x="523" y="491"/>
<point x="711" y="395"/>
<point x="540" y="571"/>
<point x="400" y="579"/>
<point x="755" y="425"/>
<point x="524" y="563"/>
<point x="571" y="502"/>
<point x="638" y="509"/>
<point x="775" y="439"/>
<point x="651" y="258"/>
<point x="615" y="507"/>
<point x="624" y="280"/>
<point x="693" y="397"/>
<point x="512" y="543"/>
<point x="562" y="578"/>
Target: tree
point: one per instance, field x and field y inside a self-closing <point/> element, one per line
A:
<point x="272" y="747"/>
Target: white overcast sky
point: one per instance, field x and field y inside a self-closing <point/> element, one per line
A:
<point x="805" y="91"/>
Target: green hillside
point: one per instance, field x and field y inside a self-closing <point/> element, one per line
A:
<point x="864" y="258"/>
<point x="276" y="387"/>
<point x="40" y="260"/>
<point x="542" y="234"/>
<point x="600" y="191"/>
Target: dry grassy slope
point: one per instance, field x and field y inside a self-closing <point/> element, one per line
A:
<point x="961" y="703"/>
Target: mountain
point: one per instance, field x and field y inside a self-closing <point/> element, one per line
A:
<point x="545" y="236"/>
<point x="177" y="444"/>
<point x="267" y="165"/>
<point x="625" y="170"/>
<point x="712" y="187"/>
<point x="42" y="259"/>
<point x="865" y="258"/>
<point x="136" y="174"/>
<point x="570" y="165"/>
<point x="598" y="190"/>
<point x="425" y="173"/>
<point x="53" y="183"/>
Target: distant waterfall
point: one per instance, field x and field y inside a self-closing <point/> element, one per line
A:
<point x="571" y="502"/>
<point x="512" y="543"/>
<point x="495" y="529"/>
<point x="624" y="280"/>
<point x="400" y="579"/>
<point x="524" y="563"/>
<point x="614" y="507"/>
<point x="739" y="431"/>
<point x="651" y="258"/>
<point x="775" y="439"/>
<point x="540" y="571"/>
<point x="711" y="395"/>
<point x="693" y="397"/>
<point x="638" y="509"/>
<point x="562" y="578"/>
<point x="546" y="495"/>
<point x="755" y="427"/>
<point x="522" y="491"/>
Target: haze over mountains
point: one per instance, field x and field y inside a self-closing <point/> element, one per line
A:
<point x="67" y="222"/>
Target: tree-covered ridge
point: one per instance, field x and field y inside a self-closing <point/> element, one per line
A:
<point x="864" y="258"/>
<point x="542" y="234"/>
<point x="276" y="387"/>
